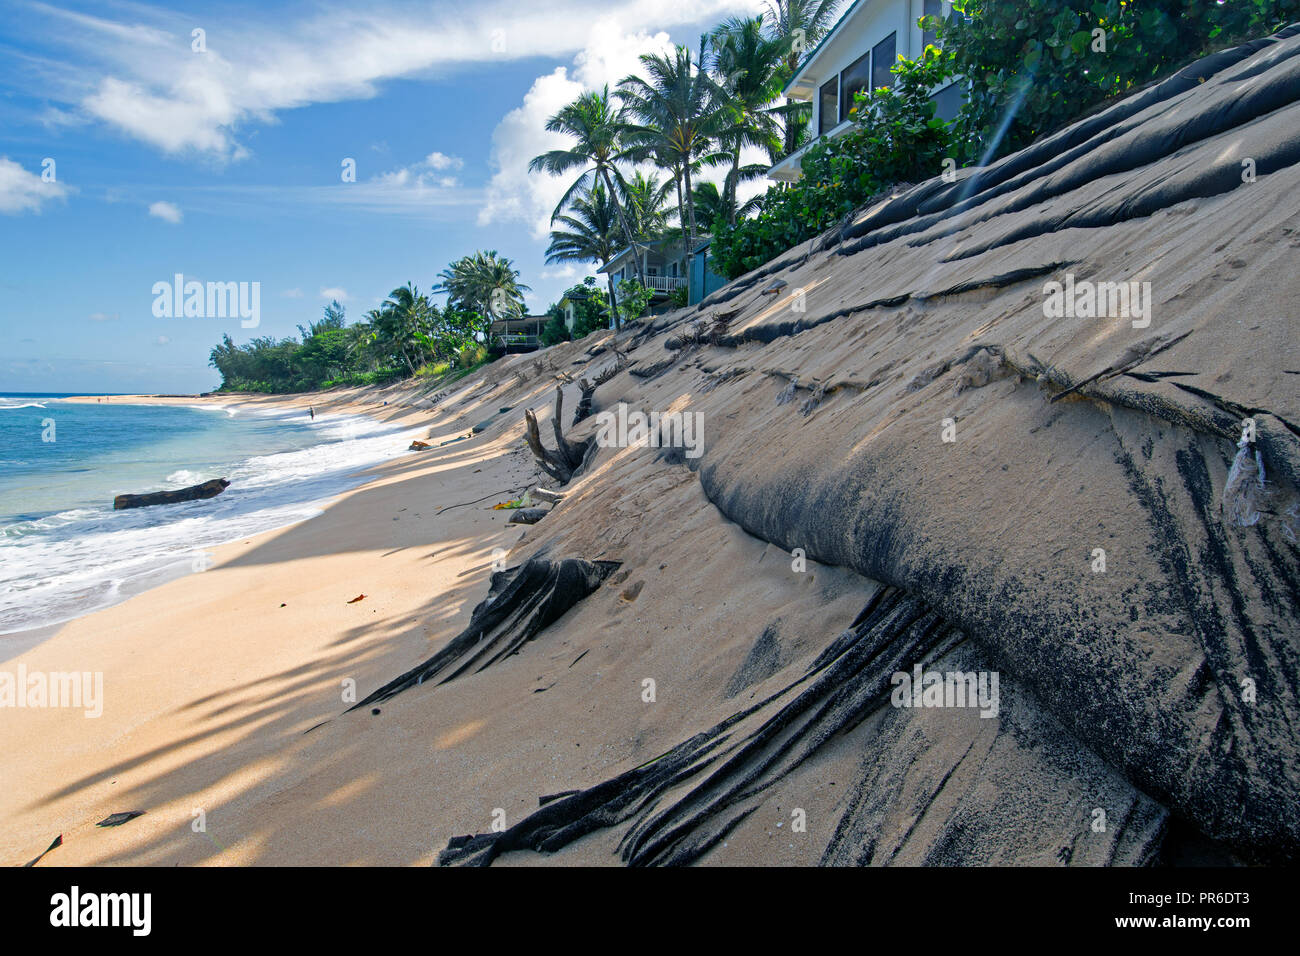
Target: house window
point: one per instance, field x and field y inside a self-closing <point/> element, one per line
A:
<point x="828" y="106"/>
<point x="652" y="270"/>
<point x="883" y="57"/>
<point x="947" y="102"/>
<point x="931" y="8"/>
<point x="855" y="79"/>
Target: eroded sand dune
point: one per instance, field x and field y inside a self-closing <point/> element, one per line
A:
<point x="1162" y="691"/>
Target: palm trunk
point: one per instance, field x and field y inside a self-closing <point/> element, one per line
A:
<point x="734" y="187"/>
<point x="789" y="129"/>
<point x="627" y="230"/>
<point x="613" y="302"/>
<point x="690" y="201"/>
<point x="681" y="215"/>
<point x="792" y="62"/>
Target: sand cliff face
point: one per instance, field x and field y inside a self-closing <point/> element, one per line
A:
<point x="1002" y="481"/>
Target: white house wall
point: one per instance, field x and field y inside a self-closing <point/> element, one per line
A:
<point x="871" y="23"/>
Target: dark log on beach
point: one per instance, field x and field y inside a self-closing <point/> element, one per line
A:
<point x="208" y="489"/>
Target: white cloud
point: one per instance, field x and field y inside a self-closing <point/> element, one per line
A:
<point x="334" y="293"/>
<point x="437" y="160"/>
<point x="21" y="191"/>
<point x="103" y="317"/>
<point x="515" y="194"/>
<point x="426" y="174"/>
<point x="568" y="271"/>
<point x="143" y="79"/>
<point x="162" y="340"/>
<point x="167" y="212"/>
<point x="292" y="293"/>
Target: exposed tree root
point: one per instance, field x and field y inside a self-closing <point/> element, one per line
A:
<point x="849" y="680"/>
<point x="674" y="809"/>
<point x="520" y="602"/>
<point x="569" y="456"/>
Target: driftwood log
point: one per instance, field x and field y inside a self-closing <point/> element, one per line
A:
<point x="527" y="515"/>
<point x="568" y="457"/>
<point x="588" y="387"/>
<point x="208" y="489"/>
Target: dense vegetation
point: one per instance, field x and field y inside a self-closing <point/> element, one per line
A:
<point x="408" y="334"/>
<point x="1026" y="68"/>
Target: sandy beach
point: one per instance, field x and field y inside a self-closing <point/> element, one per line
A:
<point x="210" y="681"/>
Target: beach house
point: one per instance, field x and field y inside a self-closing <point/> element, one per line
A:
<point x="667" y="271"/>
<point x="857" y="54"/>
<point x="662" y="263"/>
<point x="522" y="333"/>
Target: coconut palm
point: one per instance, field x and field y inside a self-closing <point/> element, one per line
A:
<point x="748" y="61"/>
<point x="712" y="207"/>
<point x="679" y="116"/>
<point x="644" y="200"/>
<point x="402" y="320"/>
<point x="800" y="24"/>
<point x="591" y="232"/>
<point x="598" y="128"/>
<point x="486" y="283"/>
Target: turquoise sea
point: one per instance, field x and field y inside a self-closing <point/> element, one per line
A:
<point x="65" y="552"/>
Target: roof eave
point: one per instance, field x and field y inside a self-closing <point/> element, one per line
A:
<point x="811" y="57"/>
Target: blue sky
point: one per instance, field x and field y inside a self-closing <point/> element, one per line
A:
<point x="225" y="164"/>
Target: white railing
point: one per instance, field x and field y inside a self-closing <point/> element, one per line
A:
<point x="665" y="283"/>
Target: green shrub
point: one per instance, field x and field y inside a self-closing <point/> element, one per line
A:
<point x="380" y="376"/>
<point x="555" y="331"/>
<point x="589" y="312"/>
<point x="1029" y="68"/>
<point x="895" y="138"/>
<point x="1044" y="63"/>
<point x="472" y="356"/>
<point x="433" y="370"/>
<point x="633" y="299"/>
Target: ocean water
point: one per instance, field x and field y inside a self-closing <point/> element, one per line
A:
<point x="65" y="552"/>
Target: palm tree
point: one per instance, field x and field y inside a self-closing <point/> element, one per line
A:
<point x="678" y="109"/>
<point x="712" y="207"/>
<point x="484" y="283"/>
<point x="800" y="24"/>
<point x="644" y="198"/>
<point x="591" y="233"/>
<point x="403" y="320"/>
<point x="749" y="61"/>
<point x="599" y="130"/>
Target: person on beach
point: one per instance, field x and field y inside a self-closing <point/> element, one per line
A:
<point x="313" y="412"/>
